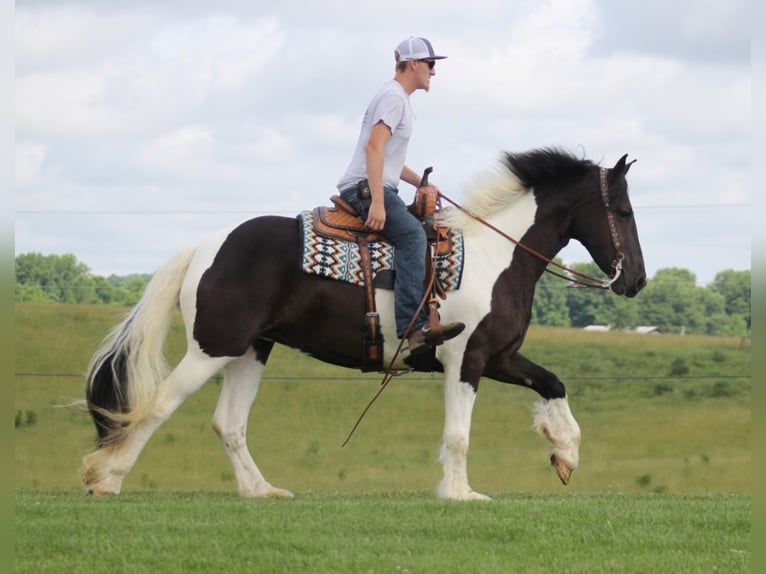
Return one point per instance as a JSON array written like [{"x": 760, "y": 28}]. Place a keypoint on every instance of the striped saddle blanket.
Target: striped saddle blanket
[{"x": 341, "y": 260}]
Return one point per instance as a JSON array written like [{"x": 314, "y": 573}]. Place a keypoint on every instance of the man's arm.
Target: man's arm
[
  {"x": 410, "y": 176},
  {"x": 379, "y": 135},
  {"x": 414, "y": 178}
]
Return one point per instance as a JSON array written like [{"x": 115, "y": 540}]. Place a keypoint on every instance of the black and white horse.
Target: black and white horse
[{"x": 244, "y": 290}]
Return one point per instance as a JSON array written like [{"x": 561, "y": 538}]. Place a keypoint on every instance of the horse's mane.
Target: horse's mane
[
  {"x": 493, "y": 190},
  {"x": 545, "y": 165}
]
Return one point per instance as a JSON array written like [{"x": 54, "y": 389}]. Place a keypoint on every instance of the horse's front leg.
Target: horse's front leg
[
  {"x": 553, "y": 419},
  {"x": 459, "y": 398}
]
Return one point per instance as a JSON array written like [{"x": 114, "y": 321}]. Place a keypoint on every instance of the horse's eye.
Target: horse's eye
[{"x": 624, "y": 211}]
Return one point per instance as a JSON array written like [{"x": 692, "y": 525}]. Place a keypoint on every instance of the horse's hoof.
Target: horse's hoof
[
  {"x": 463, "y": 495},
  {"x": 270, "y": 492},
  {"x": 280, "y": 493},
  {"x": 473, "y": 495},
  {"x": 99, "y": 493},
  {"x": 562, "y": 469}
]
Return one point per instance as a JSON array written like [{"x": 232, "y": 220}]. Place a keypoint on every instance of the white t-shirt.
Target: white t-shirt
[{"x": 391, "y": 105}]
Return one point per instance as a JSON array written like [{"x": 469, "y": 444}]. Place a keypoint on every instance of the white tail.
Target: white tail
[{"x": 124, "y": 373}]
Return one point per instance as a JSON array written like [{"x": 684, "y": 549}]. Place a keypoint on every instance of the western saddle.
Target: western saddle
[{"x": 341, "y": 221}]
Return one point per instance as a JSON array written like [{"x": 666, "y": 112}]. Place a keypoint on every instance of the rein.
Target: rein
[
  {"x": 429, "y": 296},
  {"x": 584, "y": 280}
]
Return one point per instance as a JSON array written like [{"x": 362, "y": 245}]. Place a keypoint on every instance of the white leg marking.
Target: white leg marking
[
  {"x": 240, "y": 386},
  {"x": 105, "y": 469},
  {"x": 459, "y": 399},
  {"x": 555, "y": 421}
]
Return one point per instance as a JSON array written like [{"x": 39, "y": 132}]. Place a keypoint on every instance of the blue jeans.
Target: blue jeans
[{"x": 405, "y": 232}]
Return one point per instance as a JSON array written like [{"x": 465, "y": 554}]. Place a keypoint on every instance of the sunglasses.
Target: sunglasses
[{"x": 431, "y": 63}]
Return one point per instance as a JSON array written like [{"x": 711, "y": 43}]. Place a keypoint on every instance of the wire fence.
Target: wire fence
[
  {"x": 44, "y": 286},
  {"x": 292, "y": 212},
  {"x": 439, "y": 377}
]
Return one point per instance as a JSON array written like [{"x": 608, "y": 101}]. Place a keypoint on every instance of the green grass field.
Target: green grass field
[
  {"x": 663, "y": 485},
  {"x": 403, "y": 532}
]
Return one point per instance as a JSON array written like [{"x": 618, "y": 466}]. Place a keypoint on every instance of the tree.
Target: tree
[
  {"x": 589, "y": 306},
  {"x": 666, "y": 298},
  {"x": 550, "y": 303},
  {"x": 32, "y": 294},
  {"x": 673, "y": 301},
  {"x": 63, "y": 279},
  {"x": 735, "y": 287},
  {"x": 58, "y": 276},
  {"x": 127, "y": 289},
  {"x": 623, "y": 312}
]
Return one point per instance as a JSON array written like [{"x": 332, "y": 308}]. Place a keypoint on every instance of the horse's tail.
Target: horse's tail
[{"x": 124, "y": 373}]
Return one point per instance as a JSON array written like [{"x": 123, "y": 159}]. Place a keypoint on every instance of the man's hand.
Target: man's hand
[{"x": 376, "y": 218}]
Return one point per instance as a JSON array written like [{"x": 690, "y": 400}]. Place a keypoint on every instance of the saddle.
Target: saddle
[{"x": 342, "y": 222}]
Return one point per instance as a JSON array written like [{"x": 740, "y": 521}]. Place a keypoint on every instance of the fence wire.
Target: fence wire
[{"x": 439, "y": 377}]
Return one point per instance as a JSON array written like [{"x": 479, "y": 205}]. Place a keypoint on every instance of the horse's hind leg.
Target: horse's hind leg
[
  {"x": 104, "y": 470},
  {"x": 240, "y": 386}
]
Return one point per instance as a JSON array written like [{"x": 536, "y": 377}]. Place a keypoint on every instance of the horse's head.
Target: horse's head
[{"x": 605, "y": 225}]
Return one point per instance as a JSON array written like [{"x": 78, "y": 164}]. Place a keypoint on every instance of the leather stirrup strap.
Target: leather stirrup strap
[
  {"x": 372, "y": 351},
  {"x": 437, "y": 335},
  {"x": 437, "y": 290}
]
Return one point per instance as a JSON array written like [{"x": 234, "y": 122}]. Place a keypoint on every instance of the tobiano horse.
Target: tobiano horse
[{"x": 243, "y": 290}]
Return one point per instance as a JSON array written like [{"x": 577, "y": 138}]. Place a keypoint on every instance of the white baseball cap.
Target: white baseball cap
[{"x": 415, "y": 49}]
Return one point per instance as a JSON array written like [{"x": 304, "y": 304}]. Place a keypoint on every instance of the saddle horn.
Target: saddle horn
[{"x": 424, "y": 179}]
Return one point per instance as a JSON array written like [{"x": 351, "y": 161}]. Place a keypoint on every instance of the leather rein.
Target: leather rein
[
  {"x": 575, "y": 278},
  {"x": 583, "y": 281}
]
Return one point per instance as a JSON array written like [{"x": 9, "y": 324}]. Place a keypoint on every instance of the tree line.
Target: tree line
[
  {"x": 63, "y": 279},
  {"x": 672, "y": 301}
]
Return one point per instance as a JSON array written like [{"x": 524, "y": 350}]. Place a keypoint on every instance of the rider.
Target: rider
[{"x": 371, "y": 180}]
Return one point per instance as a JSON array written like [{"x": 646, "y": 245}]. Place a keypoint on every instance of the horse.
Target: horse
[{"x": 243, "y": 290}]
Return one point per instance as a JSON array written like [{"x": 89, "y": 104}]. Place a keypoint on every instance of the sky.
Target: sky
[{"x": 143, "y": 126}]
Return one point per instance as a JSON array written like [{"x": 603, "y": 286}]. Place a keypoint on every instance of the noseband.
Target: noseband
[{"x": 575, "y": 278}]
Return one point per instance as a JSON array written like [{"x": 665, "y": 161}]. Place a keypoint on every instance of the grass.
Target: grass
[
  {"x": 63, "y": 531},
  {"x": 663, "y": 485},
  {"x": 640, "y": 433}
]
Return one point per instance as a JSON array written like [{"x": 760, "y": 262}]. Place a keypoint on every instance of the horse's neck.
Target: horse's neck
[
  {"x": 514, "y": 222},
  {"x": 489, "y": 253}
]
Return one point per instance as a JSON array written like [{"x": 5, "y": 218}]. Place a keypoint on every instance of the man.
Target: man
[{"x": 371, "y": 181}]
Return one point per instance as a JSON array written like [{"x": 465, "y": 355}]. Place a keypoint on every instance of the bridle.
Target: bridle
[
  {"x": 619, "y": 256},
  {"x": 575, "y": 278}
]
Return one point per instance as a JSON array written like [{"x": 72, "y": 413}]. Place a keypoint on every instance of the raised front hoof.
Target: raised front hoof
[{"x": 562, "y": 469}]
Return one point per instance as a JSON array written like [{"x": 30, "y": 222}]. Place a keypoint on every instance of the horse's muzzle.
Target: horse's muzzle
[{"x": 629, "y": 288}]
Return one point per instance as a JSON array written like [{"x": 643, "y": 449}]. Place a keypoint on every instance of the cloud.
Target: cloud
[
  {"x": 255, "y": 106},
  {"x": 680, "y": 29},
  {"x": 28, "y": 162},
  {"x": 53, "y": 36}
]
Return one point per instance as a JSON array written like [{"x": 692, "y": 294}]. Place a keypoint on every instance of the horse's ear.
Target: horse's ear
[{"x": 622, "y": 166}]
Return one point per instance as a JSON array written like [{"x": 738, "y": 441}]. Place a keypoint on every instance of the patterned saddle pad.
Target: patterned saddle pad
[{"x": 340, "y": 260}]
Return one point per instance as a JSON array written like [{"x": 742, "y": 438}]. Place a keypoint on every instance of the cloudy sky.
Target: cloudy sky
[{"x": 142, "y": 126}]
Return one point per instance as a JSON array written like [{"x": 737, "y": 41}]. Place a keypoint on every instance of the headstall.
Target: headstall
[{"x": 576, "y": 278}]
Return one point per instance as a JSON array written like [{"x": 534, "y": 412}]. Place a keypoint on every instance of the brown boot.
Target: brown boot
[{"x": 420, "y": 340}]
